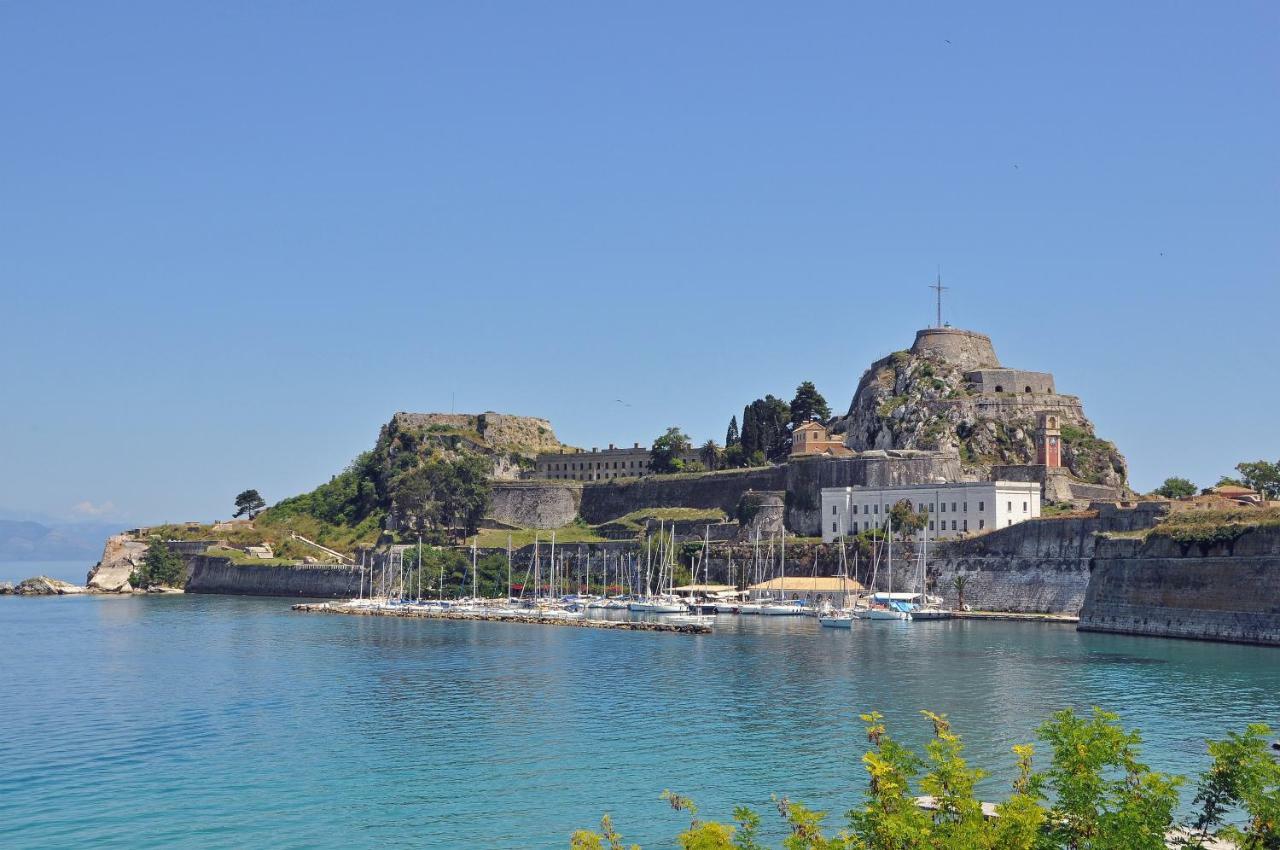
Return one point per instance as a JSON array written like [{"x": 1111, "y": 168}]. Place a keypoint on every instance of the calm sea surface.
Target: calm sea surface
[{"x": 224, "y": 722}]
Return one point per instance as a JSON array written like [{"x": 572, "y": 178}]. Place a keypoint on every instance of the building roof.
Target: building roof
[
  {"x": 820, "y": 584},
  {"x": 1234, "y": 490},
  {"x": 809, "y": 426}
]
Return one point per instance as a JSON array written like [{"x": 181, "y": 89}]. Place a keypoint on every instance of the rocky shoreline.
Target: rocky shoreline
[{"x": 46, "y": 586}]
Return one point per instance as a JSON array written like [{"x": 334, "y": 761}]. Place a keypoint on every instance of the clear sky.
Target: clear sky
[{"x": 236, "y": 237}]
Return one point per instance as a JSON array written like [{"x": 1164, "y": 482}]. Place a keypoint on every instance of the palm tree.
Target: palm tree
[{"x": 960, "y": 583}]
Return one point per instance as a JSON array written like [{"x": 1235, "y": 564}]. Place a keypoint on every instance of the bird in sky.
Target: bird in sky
[{"x": 620, "y": 401}]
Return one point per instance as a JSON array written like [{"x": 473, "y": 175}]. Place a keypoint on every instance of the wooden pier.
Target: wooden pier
[{"x": 529, "y": 619}]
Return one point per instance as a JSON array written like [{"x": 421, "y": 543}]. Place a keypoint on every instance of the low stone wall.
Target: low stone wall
[
  {"x": 220, "y": 575},
  {"x": 535, "y": 504},
  {"x": 1227, "y": 591}
]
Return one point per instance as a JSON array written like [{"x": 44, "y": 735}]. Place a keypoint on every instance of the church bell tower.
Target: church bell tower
[{"x": 1049, "y": 441}]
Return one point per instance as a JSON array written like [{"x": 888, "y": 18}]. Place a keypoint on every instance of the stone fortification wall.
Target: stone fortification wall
[
  {"x": 1010, "y": 381},
  {"x": 1037, "y": 566},
  {"x": 807, "y": 476},
  {"x": 606, "y": 500},
  {"x": 1227, "y": 591},
  {"x": 535, "y": 504},
  {"x": 220, "y": 575},
  {"x": 967, "y": 349}
]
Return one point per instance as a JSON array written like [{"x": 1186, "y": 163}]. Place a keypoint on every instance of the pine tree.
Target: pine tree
[
  {"x": 731, "y": 437},
  {"x": 808, "y": 405}
]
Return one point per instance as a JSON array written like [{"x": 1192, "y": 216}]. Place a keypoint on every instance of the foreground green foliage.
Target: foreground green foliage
[{"x": 1095, "y": 794}]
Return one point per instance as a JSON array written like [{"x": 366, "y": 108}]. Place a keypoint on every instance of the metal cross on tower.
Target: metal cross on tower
[{"x": 938, "y": 287}]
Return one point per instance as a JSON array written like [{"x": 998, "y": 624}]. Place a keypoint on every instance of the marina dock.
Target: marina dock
[{"x": 412, "y": 612}]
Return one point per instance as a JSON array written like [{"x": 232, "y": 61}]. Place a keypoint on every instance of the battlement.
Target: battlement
[{"x": 967, "y": 349}]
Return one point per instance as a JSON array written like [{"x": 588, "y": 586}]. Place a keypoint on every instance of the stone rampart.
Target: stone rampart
[
  {"x": 535, "y": 504},
  {"x": 1227, "y": 591},
  {"x": 606, "y": 500},
  {"x": 807, "y": 476},
  {"x": 1037, "y": 566},
  {"x": 968, "y": 349},
  {"x": 220, "y": 575}
]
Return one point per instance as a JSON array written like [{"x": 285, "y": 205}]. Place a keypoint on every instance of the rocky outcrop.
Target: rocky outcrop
[
  {"x": 510, "y": 442},
  {"x": 120, "y": 557},
  {"x": 45, "y": 586},
  {"x": 949, "y": 393}
]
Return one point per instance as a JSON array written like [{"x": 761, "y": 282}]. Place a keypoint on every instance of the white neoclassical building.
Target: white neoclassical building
[{"x": 966, "y": 507}]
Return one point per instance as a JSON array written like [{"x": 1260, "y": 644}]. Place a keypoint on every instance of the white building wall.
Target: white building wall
[{"x": 954, "y": 509}]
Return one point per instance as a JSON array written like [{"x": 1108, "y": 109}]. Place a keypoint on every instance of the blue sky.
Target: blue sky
[{"x": 236, "y": 237}]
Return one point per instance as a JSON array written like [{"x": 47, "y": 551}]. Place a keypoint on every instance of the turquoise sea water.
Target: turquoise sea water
[{"x": 232, "y": 722}]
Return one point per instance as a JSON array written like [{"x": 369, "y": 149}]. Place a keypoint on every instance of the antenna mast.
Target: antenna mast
[{"x": 939, "y": 288}]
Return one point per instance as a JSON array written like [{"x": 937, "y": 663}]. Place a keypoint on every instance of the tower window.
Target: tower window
[
  {"x": 1028, "y": 389},
  {"x": 999, "y": 388}
]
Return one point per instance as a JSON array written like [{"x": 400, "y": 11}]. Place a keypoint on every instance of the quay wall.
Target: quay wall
[
  {"x": 1227, "y": 591},
  {"x": 209, "y": 574},
  {"x": 1041, "y": 566}
]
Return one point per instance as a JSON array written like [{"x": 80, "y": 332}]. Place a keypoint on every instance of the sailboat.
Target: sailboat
[
  {"x": 783, "y": 608},
  {"x": 888, "y": 612},
  {"x": 840, "y": 618},
  {"x": 930, "y": 608}
]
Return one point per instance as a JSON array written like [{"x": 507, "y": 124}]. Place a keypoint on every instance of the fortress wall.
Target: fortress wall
[
  {"x": 1037, "y": 566},
  {"x": 536, "y": 504},
  {"x": 807, "y": 476},
  {"x": 969, "y": 349},
  {"x": 606, "y": 500},
  {"x": 220, "y": 575},
  {"x": 1227, "y": 591}
]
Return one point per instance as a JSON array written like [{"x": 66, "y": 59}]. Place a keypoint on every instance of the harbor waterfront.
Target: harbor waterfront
[{"x": 206, "y": 721}]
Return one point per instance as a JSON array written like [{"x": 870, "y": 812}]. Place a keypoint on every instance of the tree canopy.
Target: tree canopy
[
  {"x": 808, "y": 405},
  {"x": 1261, "y": 476},
  {"x": 1175, "y": 488},
  {"x": 764, "y": 428},
  {"x": 249, "y": 502},
  {"x": 160, "y": 567},
  {"x": 668, "y": 451}
]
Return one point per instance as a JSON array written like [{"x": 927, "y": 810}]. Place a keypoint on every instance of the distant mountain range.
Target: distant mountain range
[{"x": 26, "y": 540}]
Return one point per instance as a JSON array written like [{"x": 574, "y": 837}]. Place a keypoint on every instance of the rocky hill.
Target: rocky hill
[
  {"x": 511, "y": 442},
  {"x": 949, "y": 392}
]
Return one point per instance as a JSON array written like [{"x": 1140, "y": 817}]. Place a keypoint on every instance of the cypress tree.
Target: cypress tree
[{"x": 731, "y": 436}]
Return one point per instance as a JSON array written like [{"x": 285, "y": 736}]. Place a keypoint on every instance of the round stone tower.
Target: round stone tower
[{"x": 967, "y": 349}]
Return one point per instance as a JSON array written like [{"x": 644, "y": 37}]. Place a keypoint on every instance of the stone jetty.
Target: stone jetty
[{"x": 531, "y": 619}]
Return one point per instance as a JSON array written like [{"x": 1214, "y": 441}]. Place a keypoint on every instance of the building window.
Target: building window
[
  {"x": 877, "y": 510},
  {"x": 833, "y": 528},
  {"x": 966, "y": 507},
  {"x": 1010, "y": 507},
  {"x": 953, "y": 525},
  {"x": 931, "y": 525},
  {"x": 982, "y": 523},
  {"x": 953, "y": 507},
  {"x": 982, "y": 506},
  {"x": 1024, "y": 507},
  {"x": 966, "y": 526},
  {"x": 944, "y": 507},
  {"x": 833, "y": 510}
]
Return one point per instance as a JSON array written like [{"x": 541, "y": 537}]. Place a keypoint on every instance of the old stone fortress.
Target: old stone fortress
[{"x": 844, "y": 475}]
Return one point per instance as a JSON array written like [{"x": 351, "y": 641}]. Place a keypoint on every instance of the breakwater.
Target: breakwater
[
  {"x": 1227, "y": 590},
  {"x": 528, "y": 619}
]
